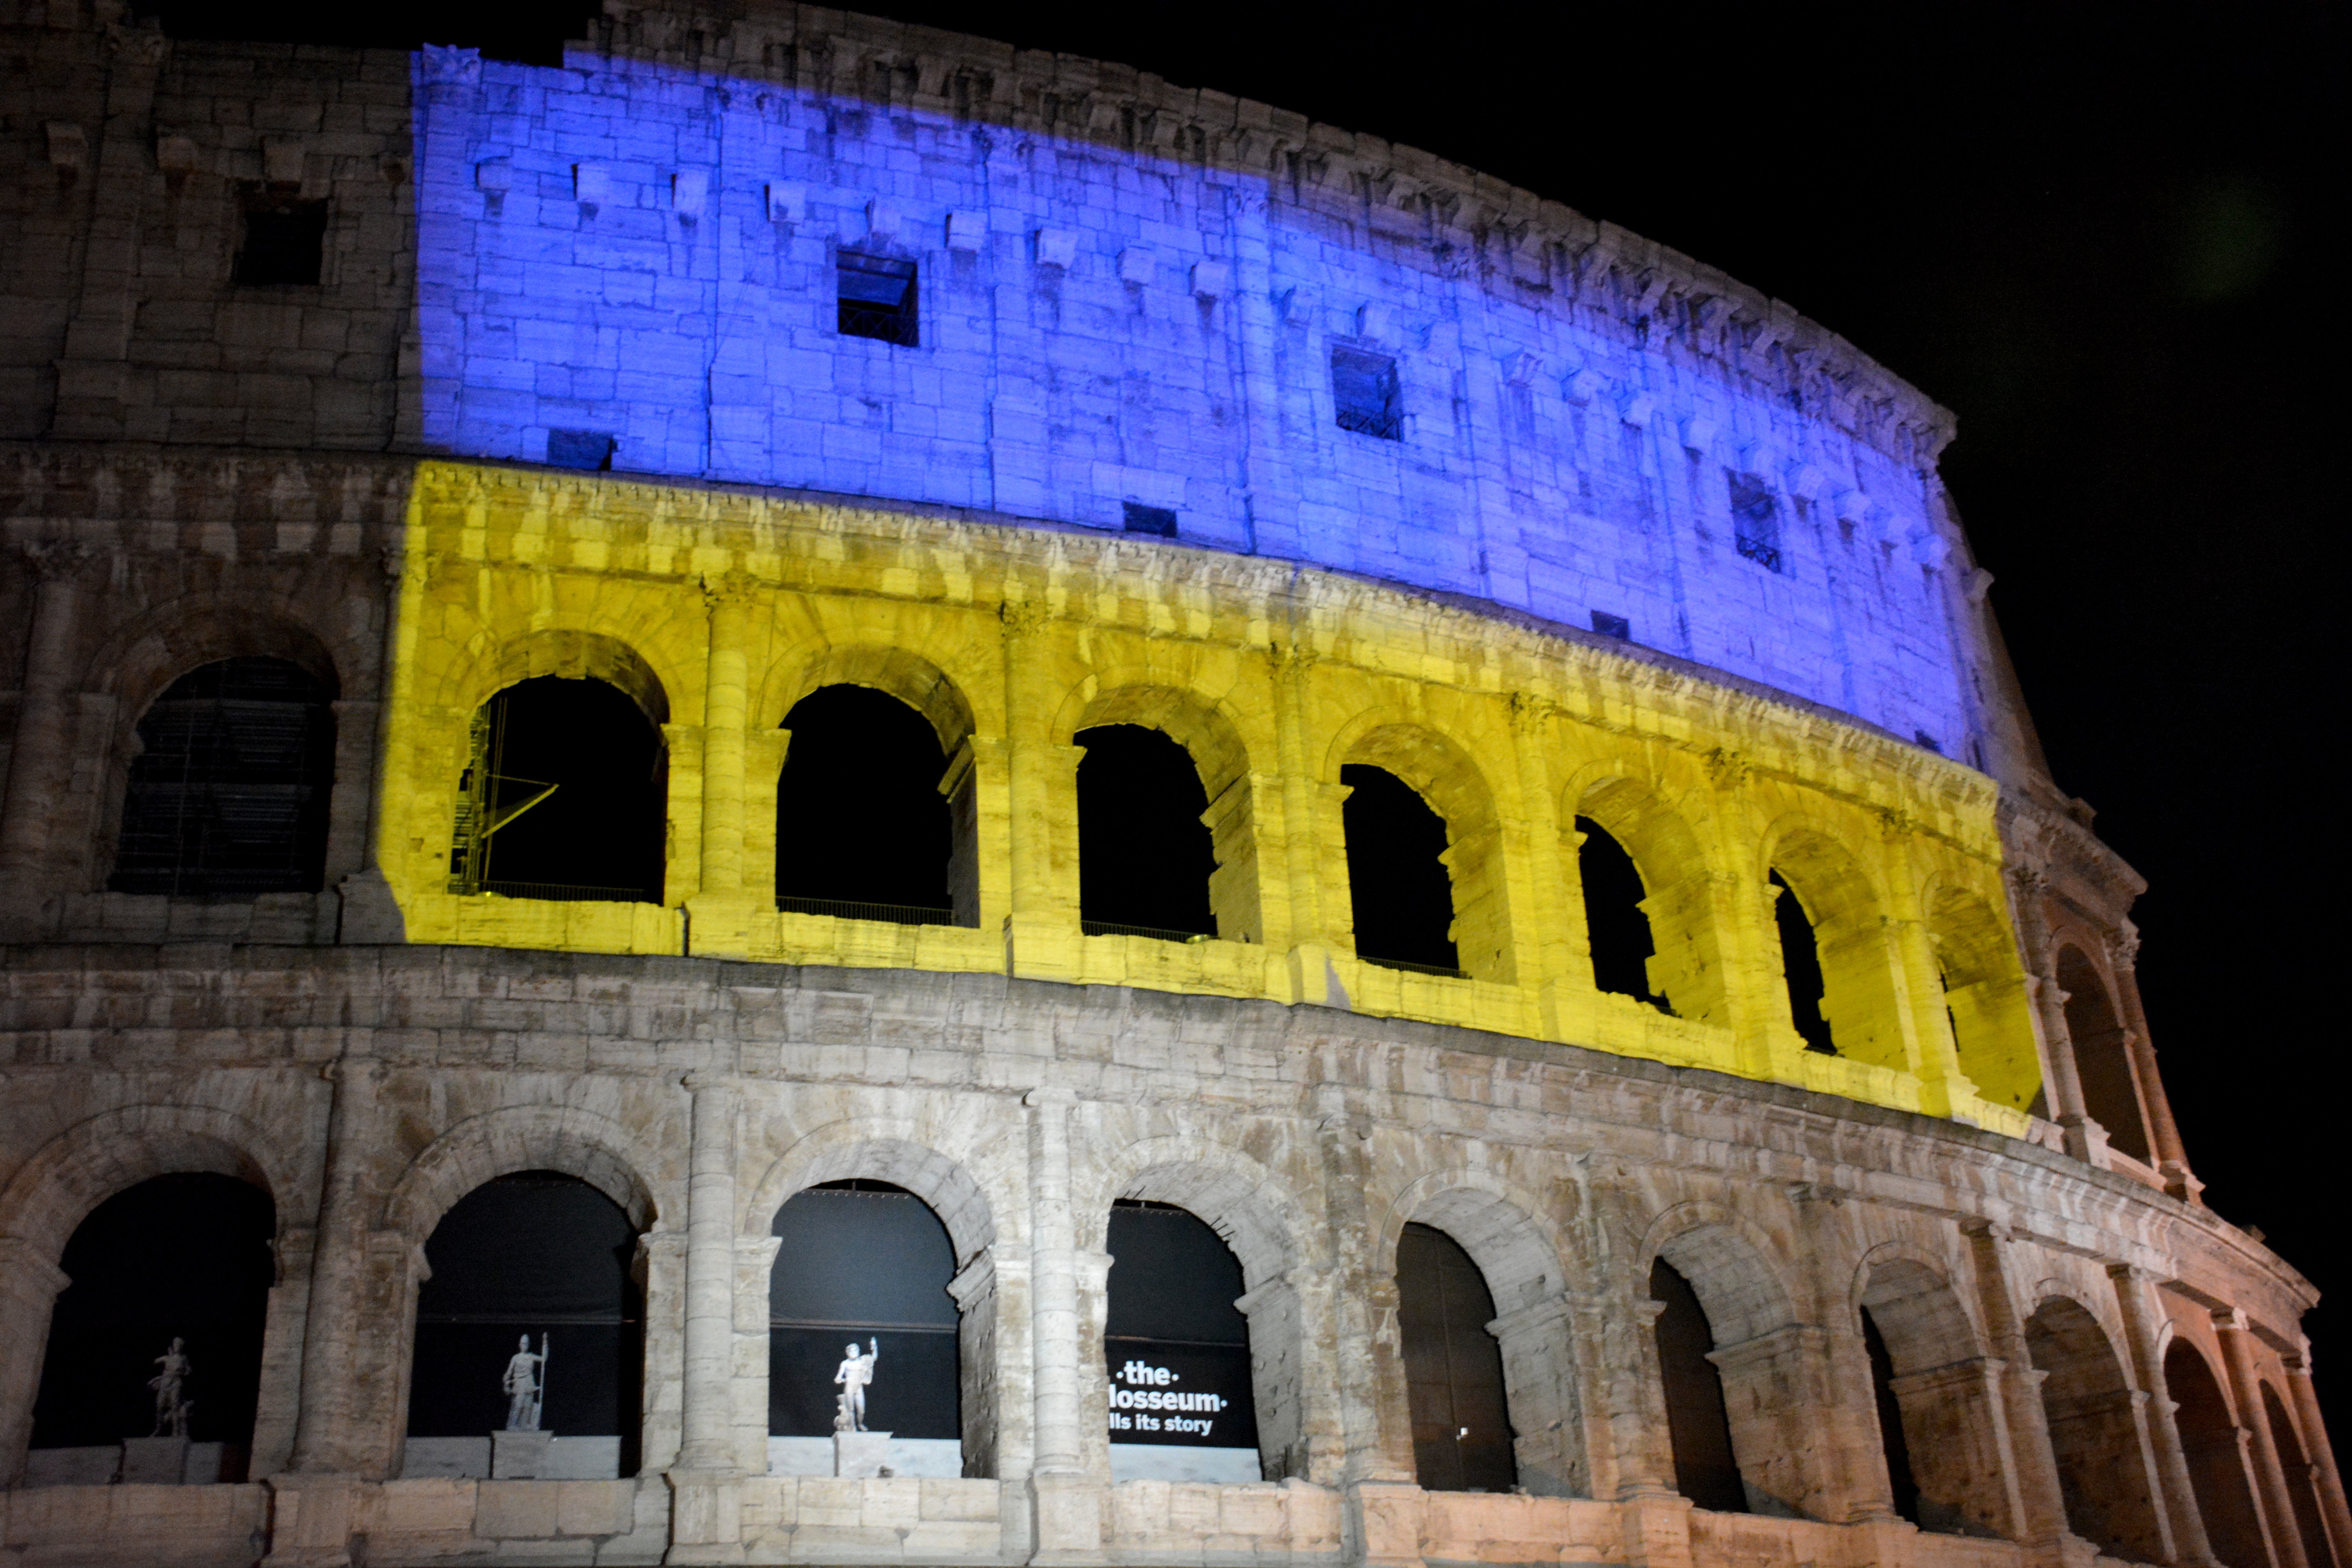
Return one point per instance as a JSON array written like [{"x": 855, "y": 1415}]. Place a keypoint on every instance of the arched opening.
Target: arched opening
[
  {"x": 858, "y": 1296},
  {"x": 2217, "y": 1463},
  {"x": 1462, "y": 1439},
  {"x": 2103, "y": 1474},
  {"x": 564, "y": 796},
  {"x": 153, "y": 1364},
  {"x": 1696, "y": 1418},
  {"x": 2299, "y": 1493},
  {"x": 228, "y": 797},
  {"x": 2102, "y": 1054},
  {"x": 1145, "y": 857},
  {"x": 1678, "y": 903},
  {"x": 1985, "y": 999},
  {"x": 1938, "y": 1419},
  {"x": 861, "y": 828},
  {"x": 1616, "y": 922},
  {"x": 1893, "y": 1446},
  {"x": 1176, "y": 1347},
  {"x": 537, "y": 1264},
  {"x": 1800, "y": 967},
  {"x": 1401, "y": 895}
]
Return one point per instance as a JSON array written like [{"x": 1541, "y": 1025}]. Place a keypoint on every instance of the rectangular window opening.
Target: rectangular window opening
[
  {"x": 590, "y": 449},
  {"x": 1141, "y": 519},
  {"x": 1610, "y": 625},
  {"x": 1755, "y": 520},
  {"x": 877, "y": 298},
  {"x": 1364, "y": 392},
  {"x": 284, "y": 240}
]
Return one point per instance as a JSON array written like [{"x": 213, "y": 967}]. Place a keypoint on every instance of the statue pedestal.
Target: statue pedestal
[
  {"x": 155, "y": 1461},
  {"x": 518, "y": 1456},
  {"x": 860, "y": 1453}
]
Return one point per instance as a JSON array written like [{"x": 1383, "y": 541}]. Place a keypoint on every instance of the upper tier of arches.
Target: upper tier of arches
[
  {"x": 1287, "y": 695},
  {"x": 948, "y": 276}
]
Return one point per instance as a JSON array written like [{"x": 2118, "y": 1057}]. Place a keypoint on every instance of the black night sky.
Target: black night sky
[{"x": 2098, "y": 233}]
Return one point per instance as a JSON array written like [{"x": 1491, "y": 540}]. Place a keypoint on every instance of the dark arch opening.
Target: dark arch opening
[
  {"x": 2299, "y": 1493},
  {"x": 1177, "y": 1349},
  {"x": 1800, "y": 967},
  {"x": 1144, "y": 854},
  {"x": 1891, "y": 1441},
  {"x": 1452, "y": 1367},
  {"x": 861, "y": 830},
  {"x": 564, "y": 796},
  {"x": 2216, "y": 1468},
  {"x": 2087, "y": 1406},
  {"x": 863, "y": 1264},
  {"x": 228, "y": 797},
  {"x": 1696, "y": 1420},
  {"x": 1401, "y": 894},
  {"x": 2102, "y": 1054},
  {"x": 180, "y": 1258},
  {"x": 1615, "y": 921},
  {"x": 542, "y": 1256}
]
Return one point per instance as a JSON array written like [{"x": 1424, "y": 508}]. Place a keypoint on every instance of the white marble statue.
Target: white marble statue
[
  {"x": 525, "y": 1384},
  {"x": 854, "y": 1374},
  {"x": 171, "y": 1410}
]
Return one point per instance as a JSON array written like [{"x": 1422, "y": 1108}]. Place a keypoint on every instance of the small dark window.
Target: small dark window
[
  {"x": 1610, "y": 625},
  {"x": 1755, "y": 521},
  {"x": 283, "y": 242},
  {"x": 877, "y": 298},
  {"x": 581, "y": 450},
  {"x": 1364, "y": 390},
  {"x": 1928, "y": 740},
  {"x": 1159, "y": 519}
]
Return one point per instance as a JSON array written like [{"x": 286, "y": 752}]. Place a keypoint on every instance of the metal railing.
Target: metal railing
[
  {"x": 851, "y": 910},
  {"x": 1156, "y": 933},
  {"x": 1411, "y": 968},
  {"x": 571, "y": 893}
]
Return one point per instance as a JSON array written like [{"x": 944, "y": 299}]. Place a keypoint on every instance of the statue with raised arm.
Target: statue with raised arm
[
  {"x": 525, "y": 1384},
  {"x": 856, "y": 1372},
  {"x": 171, "y": 1410}
]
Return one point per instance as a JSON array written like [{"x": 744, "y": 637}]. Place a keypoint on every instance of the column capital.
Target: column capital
[{"x": 1046, "y": 1094}]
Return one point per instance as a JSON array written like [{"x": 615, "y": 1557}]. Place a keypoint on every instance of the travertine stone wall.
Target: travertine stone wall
[{"x": 367, "y": 1090}]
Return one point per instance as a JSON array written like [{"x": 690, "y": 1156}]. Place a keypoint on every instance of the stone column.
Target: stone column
[
  {"x": 324, "y": 1442},
  {"x": 707, "y": 1521},
  {"x": 2042, "y": 1503},
  {"x": 30, "y": 1282},
  {"x": 1068, "y": 1504},
  {"x": 2277, "y": 1507},
  {"x": 41, "y": 757},
  {"x": 755, "y": 1266},
  {"x": 2324, "y": 1477},
  {"x": 2133, "y": 1288},
  {"x": 2062, "y": 1089},
  {"x": 1375, "y": 1413},
  {"x": 2163, "y": 1133},
  {"x": 1042, "y": 932},
  {"x": 1538, "y": 1349},
  {"x": 92, "y": 371},
  {"x": 1315, "y": 853},
  {"x": 280, "y": 1406},
  {"x": 725, "y": 702}
]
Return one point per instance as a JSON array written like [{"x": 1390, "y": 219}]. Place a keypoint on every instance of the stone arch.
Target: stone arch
[
  {"x": 597, "y": 1150},
  {"x": 1761, "y": 1350},
  {"x": 2091, "y": 1410},
  {"x": 573, "y": 655},
  {"x": 898, "y": 671},
  {"x": 55, "y": 1190},
  {"x": 1946, "y": 1392},
  {"x": 1984, "y": 994},
  {"x": 1445, "y": 772},
  {"x": 1684, "y": 923},
  {"x": 1847, "y": 911},
  {"x": 2295, "y": 1462},
  {"x": 1262, "y": 1220},
  {"x": 889, "y": 1152},
  {"x": 2111, "y": 1095},
  {"x": 1210, "y": 735},
  {"x": 1493, "y": 1223},
  {"x": 2210, "y": 1443}
]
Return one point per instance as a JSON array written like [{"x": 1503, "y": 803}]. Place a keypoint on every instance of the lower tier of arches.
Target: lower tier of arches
[{"x": 1920, "y": 1341}]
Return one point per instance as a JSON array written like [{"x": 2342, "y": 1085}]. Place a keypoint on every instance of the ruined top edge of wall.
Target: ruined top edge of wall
[{"x": 1541, "y": 246}]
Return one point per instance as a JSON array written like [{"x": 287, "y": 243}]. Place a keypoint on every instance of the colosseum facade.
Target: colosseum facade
[{"x": 1727, "y": 1135}]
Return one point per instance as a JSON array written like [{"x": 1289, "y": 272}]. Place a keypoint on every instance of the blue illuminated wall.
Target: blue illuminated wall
[{"x": 627, "y": 248}]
